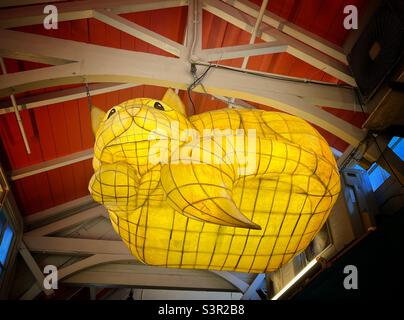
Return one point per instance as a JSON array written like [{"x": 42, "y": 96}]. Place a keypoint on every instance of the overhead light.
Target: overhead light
[{"x": 304, "y": 271}]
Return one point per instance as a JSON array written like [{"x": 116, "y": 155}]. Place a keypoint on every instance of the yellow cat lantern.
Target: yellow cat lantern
[{"x": 239, "y": 190}]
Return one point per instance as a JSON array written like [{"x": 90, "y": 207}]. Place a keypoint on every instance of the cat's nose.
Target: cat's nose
[{"x": 133, "y": 110}]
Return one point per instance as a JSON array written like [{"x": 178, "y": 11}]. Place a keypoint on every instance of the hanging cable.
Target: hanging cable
[
  {"x": 272, "y": 76},
  {"x": 197, "y": 81},
  {"x": 88, "y": 97}
]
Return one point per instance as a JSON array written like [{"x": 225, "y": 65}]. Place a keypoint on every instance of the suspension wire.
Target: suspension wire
[
  {"x": 197, "y": 81},
  {"x": 273, "y": 76},
  {"x": 88, "y": 97}
]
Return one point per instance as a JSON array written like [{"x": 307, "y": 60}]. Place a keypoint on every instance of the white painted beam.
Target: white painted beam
[
  {"x": 92, "y": 261},
  {"x": 291, "y": 29},
  {"x": 138, "y": 31},
  {"x": 52, "y": 164},
  {"x": 189, "y": 32},
  {"x": 5, "y": 53},
  {"x": 15, "y": 3},
  {"x": 251, "y": 292},
  {"x": 101, "y": 64},
  {"x": 68, "y": 222},
  {"x": 317, "y": 59},
  {"x": 72, "y": 50},
  {"x": 20, "y": 85},
  {"x": 144, "y": 276},
  {"x": 25, "y": 16},
  {"x": 31, "y": 293},
  {"x": 61, "y": 245},
  {"x": 295, "y": 47},
  {"x": 255, "y": 30},
  {"x": 235, "y": 281},
  {"x": 62, "y": 96},
  {"x": 43, "y": 217},
  {"x": 34, "y": 268},
  {"x": 236, "y": 17},
  {"x": 81, "y": 265},
  {"x": 193, "y": 31},
  {"x": 246, "y": 50},
  {"x": 199, "y": 24}
]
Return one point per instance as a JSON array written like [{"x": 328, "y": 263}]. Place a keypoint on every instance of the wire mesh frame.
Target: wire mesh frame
[{"x": 159, "y": 235}]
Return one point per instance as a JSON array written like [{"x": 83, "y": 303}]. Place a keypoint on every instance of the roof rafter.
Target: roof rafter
[
  {"x": 251, "y": 292},
  {"x": 74, "y": 246},
  {"x": 193, "y": 29},
  {"x": 138, "y": 31},
  {"x": 68, "y": 222},
  {"x": 245, "y": 50},
  {"x": 296, "y": 48},
  {"x": 65, "y": 209},
  {"x": 62, "y": 96},
  {"x": 26, "y": 16},
  {"x": 85, "y": 263},
  {"x": 35, "y": 270},
  {"x": 52, "y": 164},
  {"x": 291, "y": 29},
  {"x": 102, "y": 64},
  {"x": 13, "y": 3}
]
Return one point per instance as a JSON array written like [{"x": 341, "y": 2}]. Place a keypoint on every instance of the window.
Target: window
[
  {"x": 6, "y": 238},
  {"x": 397, "y": 145},
  {"x": 377, "y": 175}
]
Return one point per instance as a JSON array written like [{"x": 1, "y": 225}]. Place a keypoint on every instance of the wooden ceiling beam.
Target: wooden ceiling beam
[
  {"x": 15, "y": 3},
  {"x": 135, "y": 30},
  {"x": 291, "y": 29},
  {"x": 71, "y": 221},
  {"x": 102, "y": 64},
  {"x": 52, "y": 164},
  {"x": 74, "y": 246},
  {"x": 296, "y": 46},
  {"x": 245, "y": 50},
  {"x": 26, "y": 16},
  {"x": 59, "y": 96}
]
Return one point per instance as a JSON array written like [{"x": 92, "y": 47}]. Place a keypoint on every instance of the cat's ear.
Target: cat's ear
[
  {"x": 97, "y": 115},
  {"x": 174, "y": 101}
]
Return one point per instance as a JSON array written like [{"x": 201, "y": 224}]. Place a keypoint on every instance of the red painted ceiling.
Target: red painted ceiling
[{"x": 60, "y": 129}]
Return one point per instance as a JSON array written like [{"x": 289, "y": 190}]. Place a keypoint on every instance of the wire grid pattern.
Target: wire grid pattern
[{"x": 290, "y": 194}]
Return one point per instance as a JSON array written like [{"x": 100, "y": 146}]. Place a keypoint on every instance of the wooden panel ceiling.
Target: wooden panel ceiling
[{"x": 61, "y": 129}]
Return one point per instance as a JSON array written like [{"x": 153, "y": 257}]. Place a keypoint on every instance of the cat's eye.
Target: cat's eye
[
  {"x": 159, "y": 106},
  {"x": 111, "y": 113}
]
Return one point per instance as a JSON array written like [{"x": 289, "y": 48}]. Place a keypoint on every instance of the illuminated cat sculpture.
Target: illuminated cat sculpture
[{"x": 180, "y": 197}]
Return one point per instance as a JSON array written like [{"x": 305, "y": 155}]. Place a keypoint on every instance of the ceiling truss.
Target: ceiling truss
[
  {"x": 75, "y": 62},
  {"x": 126, "y": 66},
  {"x": 99, "y": 252}
]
